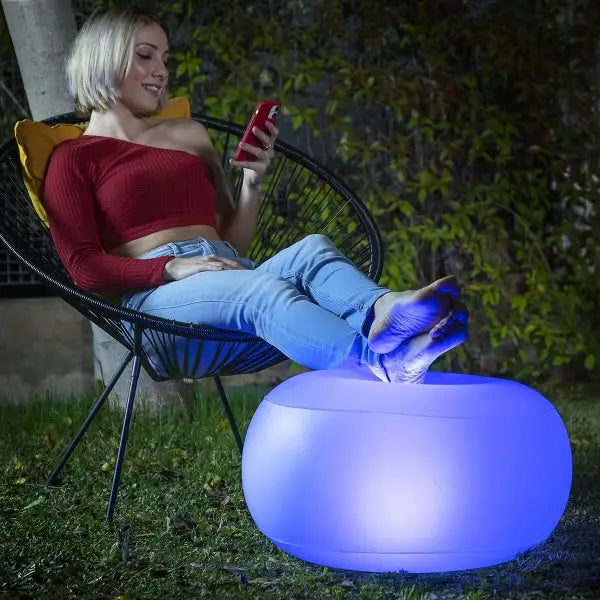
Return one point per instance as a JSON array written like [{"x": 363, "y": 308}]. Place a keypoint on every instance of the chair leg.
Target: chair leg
[
  {"x": 234, "y": 429},
  {"x": 135, "y": 373},
  {"x": 88, "y": 420}
]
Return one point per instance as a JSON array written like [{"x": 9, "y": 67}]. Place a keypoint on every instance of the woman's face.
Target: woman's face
[{"x": 146, "y": 81}]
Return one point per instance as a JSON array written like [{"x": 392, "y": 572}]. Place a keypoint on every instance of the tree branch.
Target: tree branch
[{"x": 23, "y": 110}]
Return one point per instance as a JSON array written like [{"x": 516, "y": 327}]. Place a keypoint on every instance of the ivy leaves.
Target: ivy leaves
[{"x": 466, "y": 132}]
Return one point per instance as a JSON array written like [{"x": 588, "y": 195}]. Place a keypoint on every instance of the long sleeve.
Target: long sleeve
[{"x": 70, "y": 205}]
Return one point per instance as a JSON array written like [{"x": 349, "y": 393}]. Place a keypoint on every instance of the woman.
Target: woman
[{"x": 141, "y": 207}]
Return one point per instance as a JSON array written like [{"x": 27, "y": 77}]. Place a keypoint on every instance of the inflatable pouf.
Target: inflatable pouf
[{"x": 460, "y": 472}]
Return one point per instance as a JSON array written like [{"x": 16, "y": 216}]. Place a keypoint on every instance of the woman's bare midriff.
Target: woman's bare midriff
[{"x": 136, "y": 248}]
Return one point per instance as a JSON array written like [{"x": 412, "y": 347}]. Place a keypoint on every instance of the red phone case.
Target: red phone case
[{"x": 266, "y": 110}]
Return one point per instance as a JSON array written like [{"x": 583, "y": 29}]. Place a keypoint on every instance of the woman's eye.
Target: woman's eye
[{"x": 167, "y": 61}]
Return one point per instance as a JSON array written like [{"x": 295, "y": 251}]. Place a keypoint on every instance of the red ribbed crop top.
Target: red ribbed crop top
[{"x": 100, "y": 192}]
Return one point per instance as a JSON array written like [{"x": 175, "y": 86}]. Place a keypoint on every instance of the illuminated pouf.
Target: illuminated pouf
[{"x": 461, "y": 472}]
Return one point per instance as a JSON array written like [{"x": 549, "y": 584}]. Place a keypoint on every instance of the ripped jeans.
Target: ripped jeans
[{"x": 309, "y": 300}]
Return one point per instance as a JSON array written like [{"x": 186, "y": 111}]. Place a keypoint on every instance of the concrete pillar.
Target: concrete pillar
[
  {"x": 42, "y": 32},
  {"x": 108, "y": 355}
]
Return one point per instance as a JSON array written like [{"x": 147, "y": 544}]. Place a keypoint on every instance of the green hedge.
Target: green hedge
[{"x": 470, "y": 129}]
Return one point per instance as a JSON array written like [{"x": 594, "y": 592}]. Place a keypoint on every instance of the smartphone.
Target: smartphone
[{"x": 266, "y": 110}]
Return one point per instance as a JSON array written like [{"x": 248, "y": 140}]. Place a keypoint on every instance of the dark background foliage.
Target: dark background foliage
[{"x": 470, "y": 129}]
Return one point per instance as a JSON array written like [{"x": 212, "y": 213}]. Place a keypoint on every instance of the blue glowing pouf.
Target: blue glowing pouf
[{"x": 461, "y": 472}]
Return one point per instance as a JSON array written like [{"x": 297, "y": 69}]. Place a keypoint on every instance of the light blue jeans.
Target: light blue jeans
[{"x": 309, "y": 300}]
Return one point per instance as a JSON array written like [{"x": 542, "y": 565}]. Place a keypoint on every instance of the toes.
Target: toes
[
  {"x": 441, "y": 326},
  {"x": 403, "y": 315},
  {"x": 461, "y": 313},
  {"x": 447, "y": 285},
  {"x": 455, "y": 321},
  {"x": 409, "y": 363},
  {"x": 453, "y": 336}
]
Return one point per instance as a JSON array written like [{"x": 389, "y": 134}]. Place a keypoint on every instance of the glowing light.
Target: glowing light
[{"x": 460, "y": 472}]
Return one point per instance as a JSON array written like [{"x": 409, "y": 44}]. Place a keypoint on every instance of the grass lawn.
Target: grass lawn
[{"x": 181, "y": 529}]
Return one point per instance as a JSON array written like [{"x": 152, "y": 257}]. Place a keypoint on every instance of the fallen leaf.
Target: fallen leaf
[
  {"x": 238, "y": 571},
  {"x": 125, "y": 553},
  {"x": 50, "y": 436},
  {"x": 39, "y": 500},
  {"x": 223, "y": 425},
  {"x": 182, "y": 526},
  {"x": 234, "y": 570}
]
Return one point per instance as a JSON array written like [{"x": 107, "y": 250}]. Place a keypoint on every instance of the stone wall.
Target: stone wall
[{"x": 47, "y": 346}]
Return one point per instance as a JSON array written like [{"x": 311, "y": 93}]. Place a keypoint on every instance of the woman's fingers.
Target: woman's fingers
[
  {"x": 219, "y": 263},
  {"x": 260, "y": 163},
  {"x": 267, "y": 140},
  {"x": 263, "y": 155},
  {"x": 261, "y": 135},
  {"x": 255, "y": 165},
  {"x": 232, "y": 263},
  {"x": 180, "y": 268},
  {"x": 252, "y": 149},
  {"x": 274, "y": 131}
]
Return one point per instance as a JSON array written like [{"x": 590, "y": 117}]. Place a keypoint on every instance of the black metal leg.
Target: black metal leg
[
  {"x": 135, "y": 373},
  {"x": 234, "y": 429},
  {"x": 88, "y": 420}
]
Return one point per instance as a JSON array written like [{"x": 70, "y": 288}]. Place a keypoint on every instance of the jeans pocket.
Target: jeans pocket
[
  {"x": 231, "y": 248},
  {"x": 135, "y": 300}
]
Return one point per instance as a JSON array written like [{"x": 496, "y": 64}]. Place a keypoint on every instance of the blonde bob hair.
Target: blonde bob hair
[{"x": 101, "y": 55}]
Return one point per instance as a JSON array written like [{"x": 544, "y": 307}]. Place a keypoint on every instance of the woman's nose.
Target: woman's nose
[{"x": 160, "y": 70}]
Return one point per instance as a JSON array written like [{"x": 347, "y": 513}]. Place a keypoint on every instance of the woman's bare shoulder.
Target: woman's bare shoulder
[
  {"x": 178, "y": 127},
  {"x": 178, "y": 134},
  {"x": 185, "y": 133}
]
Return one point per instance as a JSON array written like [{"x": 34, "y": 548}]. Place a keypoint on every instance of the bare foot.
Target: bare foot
[
  {"x": 402, "y": 315},
  {"x": 410, "y": 361}
]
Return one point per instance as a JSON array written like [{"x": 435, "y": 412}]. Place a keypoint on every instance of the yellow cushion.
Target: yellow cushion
[{"x": 37, "y": 141}]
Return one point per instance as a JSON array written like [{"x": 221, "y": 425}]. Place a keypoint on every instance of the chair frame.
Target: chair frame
[{"x": 108, "y": 316}]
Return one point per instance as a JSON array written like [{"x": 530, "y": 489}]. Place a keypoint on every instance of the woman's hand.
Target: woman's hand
[
  {"x": 255, "y": 170},
  {"x": 180, "y": 268}
]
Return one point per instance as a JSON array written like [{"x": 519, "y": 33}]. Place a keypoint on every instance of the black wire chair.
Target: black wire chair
[{"x": 300, "y": 197}]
